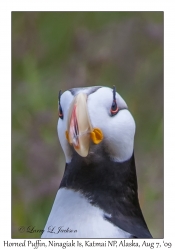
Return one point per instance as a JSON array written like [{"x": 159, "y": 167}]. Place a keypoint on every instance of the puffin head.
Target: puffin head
[{"x": 92, "y": 118}]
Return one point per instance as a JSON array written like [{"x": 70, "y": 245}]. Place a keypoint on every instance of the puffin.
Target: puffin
[{"x": 98, "y": 194}]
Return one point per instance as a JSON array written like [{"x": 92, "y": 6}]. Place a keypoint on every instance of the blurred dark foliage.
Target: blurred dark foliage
[{"x": 61, "y": 50}]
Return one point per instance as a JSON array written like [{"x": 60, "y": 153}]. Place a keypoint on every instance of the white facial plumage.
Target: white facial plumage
[{"x": 118, "y": 130}]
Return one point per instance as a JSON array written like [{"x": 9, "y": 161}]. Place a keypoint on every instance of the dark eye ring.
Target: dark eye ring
[
  {"x": 114, "y": 107},
  {"x": 60, "y": 108}
]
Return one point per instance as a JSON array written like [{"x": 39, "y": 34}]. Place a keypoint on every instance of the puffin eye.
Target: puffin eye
[
  {"x": 114, "y": 107},
  {"x": 60, "y": 112},
  {"x": 60, "y": 108}
]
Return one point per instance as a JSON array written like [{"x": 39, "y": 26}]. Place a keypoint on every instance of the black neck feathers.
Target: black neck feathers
[
  {"x": 112, "y": 186},
  {"x": 101, "y": 175}
]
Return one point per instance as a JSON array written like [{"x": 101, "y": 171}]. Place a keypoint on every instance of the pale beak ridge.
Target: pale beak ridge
[
  {"x": 79, "y": 126},
  {"x": 79, "y": 129}
]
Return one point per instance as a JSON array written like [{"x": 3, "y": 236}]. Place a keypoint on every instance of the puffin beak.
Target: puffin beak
[{"x": 79, "y": 128}]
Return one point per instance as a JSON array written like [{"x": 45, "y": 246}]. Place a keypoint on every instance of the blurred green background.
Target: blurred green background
[{"x": 61, "y": 50}]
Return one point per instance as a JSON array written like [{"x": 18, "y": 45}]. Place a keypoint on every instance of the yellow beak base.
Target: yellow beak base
[{"x": 96, "y": 135}]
